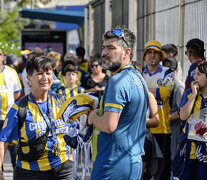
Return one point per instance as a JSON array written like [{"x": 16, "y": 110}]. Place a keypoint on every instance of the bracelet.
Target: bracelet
[{"x": 0, "y": 170}]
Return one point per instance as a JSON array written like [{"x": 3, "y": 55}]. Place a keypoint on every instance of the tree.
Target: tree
[
  {"x": 31, "y": 3},
  {"x": 10, "y": 25}
]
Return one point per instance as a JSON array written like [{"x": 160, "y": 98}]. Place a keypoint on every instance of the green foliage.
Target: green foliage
[
  {"x": 10, "y": 25},
  {"x": 31, "y": 3}
]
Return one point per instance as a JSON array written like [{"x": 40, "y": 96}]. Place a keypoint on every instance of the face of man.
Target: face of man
[
  {"x": 152, "y": 57},
  {"x": 112, "y": 55},
  {"x": 188, "y": 54}
]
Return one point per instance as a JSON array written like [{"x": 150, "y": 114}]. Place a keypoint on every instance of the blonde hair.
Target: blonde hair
[{"x": 55, "y": 55}]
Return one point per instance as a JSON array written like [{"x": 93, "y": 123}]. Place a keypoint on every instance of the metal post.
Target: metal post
[
  {"x": 153, "y": 19},
  {"x": 133, "y": 19},
  {"x": 107, "y": 15},
  {"x": 86, "y": 32},
  {"x": 181, "y": 32},
  {"x": 90, "y": 29}
]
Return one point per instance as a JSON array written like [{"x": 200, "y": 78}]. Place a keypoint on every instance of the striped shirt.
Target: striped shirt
[
  {"x": 67, "y": 93},
  {"x": 9, "y": 84},
  {"x": 162, "y": 81},
  {"x": 33, "y": 127}
]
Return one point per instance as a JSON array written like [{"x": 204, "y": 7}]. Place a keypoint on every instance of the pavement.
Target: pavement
[{"x": 8, "y": 169}]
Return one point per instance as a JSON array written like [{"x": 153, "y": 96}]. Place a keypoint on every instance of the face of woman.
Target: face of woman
[
  {"x": 95, "y": 67},
  {"x": 200, "y": 78},
  {"x": 41, "y": 81}
]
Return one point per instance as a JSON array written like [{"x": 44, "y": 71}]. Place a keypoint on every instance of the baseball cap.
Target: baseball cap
[
  {"x": 153, "y": 45},
  {"x": 11, "y": 58},
  {"x": 171, "y": 63}
]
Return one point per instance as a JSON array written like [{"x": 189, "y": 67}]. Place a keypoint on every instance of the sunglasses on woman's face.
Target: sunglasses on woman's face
[{"x": 95, "y": 65}]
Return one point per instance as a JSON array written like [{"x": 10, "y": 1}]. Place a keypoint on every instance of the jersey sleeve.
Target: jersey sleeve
[
  {"x": 17, "y": 84},
  {"x": 184, "y": 99},
  {"x": 115, "y": 96},
  {"x": 9, "y": 132}
]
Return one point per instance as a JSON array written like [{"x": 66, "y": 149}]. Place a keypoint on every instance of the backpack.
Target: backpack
[
  {"x": 35, "y": 148},
  {"x": 23, "y": 107}
]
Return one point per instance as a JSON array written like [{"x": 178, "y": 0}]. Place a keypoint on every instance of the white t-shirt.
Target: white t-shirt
[{"x": 27, "y": 88}]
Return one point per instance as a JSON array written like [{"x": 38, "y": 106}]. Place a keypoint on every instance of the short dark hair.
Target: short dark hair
[
  {"x": 170, "y": 48},
  {"x": 69, "y": 68},
  {"x": 80, "y": 51},
  {"x": 196, "y": 47},
  {"x": 128, "y": 36},
  {"x": 202, "y": 67},
  {"x": 38, "y": 62}
]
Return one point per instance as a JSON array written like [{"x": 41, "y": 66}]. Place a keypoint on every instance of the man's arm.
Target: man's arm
[
  {"x": 106, "y": 123},
  {"x": 3, "y": 148}
]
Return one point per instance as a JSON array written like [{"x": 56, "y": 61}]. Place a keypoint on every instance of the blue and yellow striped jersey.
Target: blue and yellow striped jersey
[
  {"x": 33, "y": 127},
  {"x": 67, "y": 93},
  {"x": 162, "y": 81},
  {"x": 9, "y": 84},
  {"x": 199, "y": 105}
]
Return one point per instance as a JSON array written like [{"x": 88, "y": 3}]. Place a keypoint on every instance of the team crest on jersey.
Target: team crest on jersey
[
  {"x": 136, "y": 82},
  {"x": 164, "y": 81}
]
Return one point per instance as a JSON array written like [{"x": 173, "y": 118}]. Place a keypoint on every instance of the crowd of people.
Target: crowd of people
[{"x": 149, "y": 124}]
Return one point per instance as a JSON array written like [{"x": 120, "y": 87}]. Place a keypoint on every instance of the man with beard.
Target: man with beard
[
  {"x": 121, "y": 117},
  {"x": 160, "y": 81}
]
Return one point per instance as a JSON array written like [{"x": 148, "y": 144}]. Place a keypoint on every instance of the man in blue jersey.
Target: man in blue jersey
[
  {"x": 160, "y": 81},
  {"x": 122, "y": 119},
  {"x": 10, "y": 91},
  {"x": 195, "y": 53}
]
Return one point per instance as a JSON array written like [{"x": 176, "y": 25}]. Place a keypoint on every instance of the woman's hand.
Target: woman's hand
[{"x": 195, "y": 88}]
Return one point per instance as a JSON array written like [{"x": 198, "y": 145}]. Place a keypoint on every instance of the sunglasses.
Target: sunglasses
[
  {"x": 95, "y": 65},
  {"x": 119, "y": 34}
]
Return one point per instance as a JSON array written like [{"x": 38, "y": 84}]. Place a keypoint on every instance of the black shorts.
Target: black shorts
[
  {"x": 62, "y": 172},
  {"x": 147, "y": 151}
]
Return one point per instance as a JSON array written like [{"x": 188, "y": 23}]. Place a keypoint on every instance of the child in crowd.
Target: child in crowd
[
  {"x": 190, "y": 161},
  {"x": 71, "y": 88}
]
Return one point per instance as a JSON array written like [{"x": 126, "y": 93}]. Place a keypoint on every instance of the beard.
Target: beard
[{"x": 112, "y": 66}]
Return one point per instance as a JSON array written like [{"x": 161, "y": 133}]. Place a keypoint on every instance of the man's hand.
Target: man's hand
[{"x": 91, "y": 115}]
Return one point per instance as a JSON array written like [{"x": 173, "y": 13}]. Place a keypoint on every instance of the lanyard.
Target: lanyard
[{"x": 49, "y": 120}]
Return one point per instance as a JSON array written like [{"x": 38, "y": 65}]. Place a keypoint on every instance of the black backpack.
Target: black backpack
[{"x": 35, "y": 148}]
